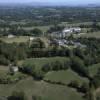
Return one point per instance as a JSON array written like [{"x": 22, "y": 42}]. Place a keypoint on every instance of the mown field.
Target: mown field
[
  {"x": 89, "y": 35},
  {"x": 42, "y": 28},
  {"x": 22, "y": 39},
  {"x": 75, "y": 24},
  {"x": 39, "y": 62},
  {"x": 94, "y": 69},
  {"x": 39, "y": 88},
  {"x": 16, "y": 39},
  {"x": 45, "y": 90},
  {"x": 48, "y": 90},
  {"x": 65, "y": 77}
]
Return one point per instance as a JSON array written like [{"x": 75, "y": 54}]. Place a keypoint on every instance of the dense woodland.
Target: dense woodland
[{"x": 29, "y": 16}]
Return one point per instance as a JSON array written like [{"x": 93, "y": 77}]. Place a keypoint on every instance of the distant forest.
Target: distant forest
[{"x": 47, "y": 15}]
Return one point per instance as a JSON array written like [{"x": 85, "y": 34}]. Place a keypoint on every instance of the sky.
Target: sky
[{"x": 54, "y": 1}]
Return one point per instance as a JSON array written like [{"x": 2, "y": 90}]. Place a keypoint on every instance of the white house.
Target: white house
[
  {"x": 11, "y": 36},
  {"x": 31, "y": 38},
  {"x": 67, "y": 32},
  {"x": 77, "y": 29},
  {"x": 61, "y": 43},
  {"x": 14, "y": 69}
]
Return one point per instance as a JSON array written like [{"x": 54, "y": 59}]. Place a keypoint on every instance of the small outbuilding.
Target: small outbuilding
[
  {"x": 13, "y": 69},
  {"x": 31, "y": 38},
  {"x": 11, "y": 36}
]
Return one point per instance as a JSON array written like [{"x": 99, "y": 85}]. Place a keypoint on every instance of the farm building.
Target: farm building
[
  {"x": 66, "y": 32},
  {"x": 14, "y": 69},
  {"x": 69, "y": 31},
  {"x": 11, "y": 36},
  {"x": 31, "y": 38}
]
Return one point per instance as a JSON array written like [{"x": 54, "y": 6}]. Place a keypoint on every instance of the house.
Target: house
[
  {"x": 69, "y": 31},
  {"x": 60, "y": 42},
  {"x": 31, "y": 38},
  {"x": 77, "y": 29},
  {"x": 66, "y": 30},
  {"x": 11, "y": 36},
  {"x": 13, "y": 69}
]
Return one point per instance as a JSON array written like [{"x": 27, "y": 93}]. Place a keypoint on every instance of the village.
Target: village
[{"x": 60, "y": 38}]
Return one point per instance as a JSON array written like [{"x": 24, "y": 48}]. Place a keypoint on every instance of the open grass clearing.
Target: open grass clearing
[
  {"x": 65, "y": 77},
  {"x": 94, "y": 69},
  {"x": 39, "y": 88},
  {"x": 4, "y": 68},
  {"x": 42, "y": 28},
  {"x": 39, "y": 62},
  {"x": 17, "y": 39},
  {"x": 90, "y": 35}
]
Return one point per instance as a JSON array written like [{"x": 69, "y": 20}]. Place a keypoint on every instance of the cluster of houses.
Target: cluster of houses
[
  {"x": 66, "y": 43},
  {"x": 67, "y": 32}
]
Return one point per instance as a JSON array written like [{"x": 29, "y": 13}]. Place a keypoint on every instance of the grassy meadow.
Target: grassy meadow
[
  {"x": 90, "y": 35},
  {"x": 40, "y": 88},
  {"x": 17, "y": 39},
  {"x": 65, "y": 77},
  {"x": 39, "y": 62},
  {"x": 94, "y": 69}
]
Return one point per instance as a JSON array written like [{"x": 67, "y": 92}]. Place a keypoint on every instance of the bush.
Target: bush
[
  {"x": 74, "y": 84},
  {"x": 38, "y": 75},
  {"x": 84, "y": 87},
  {"x": 6, "y": 78},
  {"x": 36, "y": 32},
  {"x": 78, "y": 65},
  {"x": 56, "y": 65},
  {"x": 28, "y": 68},
  {"x": 36, "y": 97},
  {"x": 3, "y": 60}
]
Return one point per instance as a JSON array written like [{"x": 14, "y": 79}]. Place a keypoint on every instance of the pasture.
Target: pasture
[
  {"x": 40, "y": 88},
  {"x": 39, "y": 62},
  {"x": 65, "y": 77},
  {"x": 16, "y": 39},
  {"x": 42, "y": 28},
  {"x": 90, "y": 35},
  {"x": 75, "y": 23},
  {"x": 94, "y": 69}
]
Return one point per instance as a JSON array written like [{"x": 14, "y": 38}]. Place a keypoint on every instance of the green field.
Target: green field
[
  {"x": 75, "y": 24},
  {"x": 39, "y": 62},
  {"x": 89, "y": 35},
  {"x": 3, "y": 71},
  {"x": 43, "y": 89},
  {"x": 39, "y": 88},
  {"x": 3, "y": 68},
  {"x": 65, "y": 77},
  {"x": 94, "y": 69},
  {"x": 17, "y": 39},
  {"x": 42, "y": 28}
]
